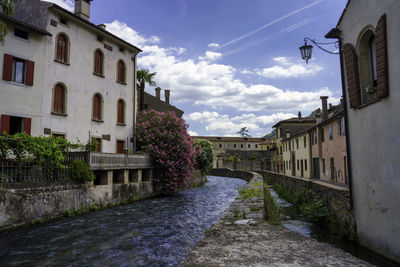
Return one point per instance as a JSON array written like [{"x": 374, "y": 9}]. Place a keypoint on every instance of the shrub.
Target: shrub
[
  {"x": 165, "y": 138},
  {"x": 81, "y": 171},
  {"x": 204, "y": 155}
]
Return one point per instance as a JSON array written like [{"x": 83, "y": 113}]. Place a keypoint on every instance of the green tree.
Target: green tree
[
  {"x": 7, "y": 8},
  {"x": 244, "y": 132},
  {"x": 144, "y": 76},
  {"x": 204, "y": 155}
]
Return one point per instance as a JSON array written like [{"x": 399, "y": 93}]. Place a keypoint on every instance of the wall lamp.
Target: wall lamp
[{"x": 306, "y": 49}]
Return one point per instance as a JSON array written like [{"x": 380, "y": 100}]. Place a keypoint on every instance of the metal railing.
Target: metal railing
[{"x": 14, "y": 172}]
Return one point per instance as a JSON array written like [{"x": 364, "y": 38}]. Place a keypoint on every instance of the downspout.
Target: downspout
[
  {"x": 134, "y": 101},
  {"x": 335, "y": 33}
]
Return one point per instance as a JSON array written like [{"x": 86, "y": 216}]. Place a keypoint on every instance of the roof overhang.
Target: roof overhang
[{"x": 26, "y": 25}]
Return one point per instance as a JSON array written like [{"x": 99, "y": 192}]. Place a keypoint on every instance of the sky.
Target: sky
[{"x": 230, "y": 63}]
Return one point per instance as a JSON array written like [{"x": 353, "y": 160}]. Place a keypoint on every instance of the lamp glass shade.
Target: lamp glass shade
[{"x": 306, "y": 52}]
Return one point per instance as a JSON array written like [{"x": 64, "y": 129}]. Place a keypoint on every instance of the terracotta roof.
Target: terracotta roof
[
  {"x": 234, "y": 139},
  {"x": 25, "y": 24},
  {"x": 296, "y": 120}
]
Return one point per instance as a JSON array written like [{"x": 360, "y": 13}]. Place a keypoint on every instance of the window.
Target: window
[
  {"x": 241, "y": 145},
  {"x": 98, "y": 63},
  {"x": 367, "y": 64},
  {"x": 234, "y": 145},
  {"x": 220, "y": 145},
  {"x": 97, "y": 114},
  {"x": 343, "y": 128},
  {"x": 121, "y": 72},
  {"x": 323, "y": 166},
  {"x": 21, "y": 33},
  {"x": 256, "y": 146},
  {"x": 305, "y": 141},
  {"x": 59, "y": 100},
  {"x": 315, "y": 137},
  {"x": 64, "y": 21},
  {"x": 297, "y": 143},
  {"x": 18, "y": 70},
  {"x": 298, "y": 165},
  {"x": 322, "y": 135},
  {"x": 339, "y": 126},
  {"x": 330, "y": 132},
  {"x": 305, "y": 165},
  {"x": 62, "y": 48},
  {"x": 12, "y": 125},
  {"x": 248, "y": 146}
]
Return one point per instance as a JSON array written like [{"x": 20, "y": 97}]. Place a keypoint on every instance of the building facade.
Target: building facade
[
  {"x": 155, "y": 102},
  {"x": 369, "y": 31},
  {"x": 84, "y": 78}
]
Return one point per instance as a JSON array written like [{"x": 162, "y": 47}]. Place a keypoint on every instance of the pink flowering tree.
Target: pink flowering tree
[{"x": 165, "y": 138}]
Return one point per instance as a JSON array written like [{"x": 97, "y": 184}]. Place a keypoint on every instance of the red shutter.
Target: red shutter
[
  {"x": 27, "y": 125},
  {"x": 352, "y": 77},
  {"x": 5, "y": 124},
  {"x": 7, "y": 67},
  {"x": 96, "y": 107},
  {"x": 30, "y": 66},
  {"x": 120, "y": 112},
  {"x": 58, "y": 105},
  {"x": 382, "y": 69}
]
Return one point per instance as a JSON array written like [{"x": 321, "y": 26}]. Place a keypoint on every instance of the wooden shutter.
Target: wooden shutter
[
  {"x": 97, "y": 62},
  {"x": 62, "y": 48},
  {"x": 27, "y": 125},
  {"x": 120, "y": 147},
  {"x": 96, "y": 107},
  {"x": 30, "y": 66},
  {"x": 120, "y": 118},
  {"x": 58, "y": 105},
  {"x": 5, "y": 124},
  {"x": 382, "y": 69},
  {"x": 7, "y": 67},
  {"x": 121, "y": 71},
  {"x": 353, "y": 82}
]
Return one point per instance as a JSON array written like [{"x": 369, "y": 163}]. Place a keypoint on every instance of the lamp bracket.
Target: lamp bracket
[{"x": 319, "y": 45}]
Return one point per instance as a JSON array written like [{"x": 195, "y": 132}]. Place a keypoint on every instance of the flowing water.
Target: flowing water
[
  {"x": 153, "y": 232},
  {"x": 293, "y": 220}
]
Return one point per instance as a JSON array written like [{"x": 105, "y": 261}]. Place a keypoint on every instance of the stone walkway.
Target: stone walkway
[{"x": 243, "y": 238}]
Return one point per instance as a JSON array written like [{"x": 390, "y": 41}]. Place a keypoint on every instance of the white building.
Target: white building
[
  {"x": 64, "y": 76},
  {"x": 370, "y": 33}
]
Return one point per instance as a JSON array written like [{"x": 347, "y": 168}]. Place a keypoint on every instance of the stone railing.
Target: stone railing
[{"x": 102, "y": 161}]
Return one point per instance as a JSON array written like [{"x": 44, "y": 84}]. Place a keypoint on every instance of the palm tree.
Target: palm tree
[
  {"x": 144, "y": 76},
  {"x": 7, "y": 8}
]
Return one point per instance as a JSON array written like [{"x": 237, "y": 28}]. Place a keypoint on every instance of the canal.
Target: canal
[{"x": 153, "y": 232}]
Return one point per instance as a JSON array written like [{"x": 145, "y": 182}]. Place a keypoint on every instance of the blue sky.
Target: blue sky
[{"x": 230, "y": 63}]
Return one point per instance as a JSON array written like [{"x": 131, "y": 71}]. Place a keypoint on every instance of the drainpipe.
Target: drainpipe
[
  {"x": 335, "y": 34},
  {"x": 134, "y": 102}
]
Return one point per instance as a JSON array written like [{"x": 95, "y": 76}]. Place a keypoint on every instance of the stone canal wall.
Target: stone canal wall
[
  {"x": 226, "y": 172},
  {"x": 338, "y": 197},
  {"x": 32, "y": 203}
]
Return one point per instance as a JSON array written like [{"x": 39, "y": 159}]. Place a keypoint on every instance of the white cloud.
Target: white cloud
[
  {"x": 287, "y": 69},
  {"x": 67, "y": 4},
  {"x": 122, "y": 30},
  {"x": 192, "y": 133},
  {"x": 225, "y": 125},
  {"x": 215, "y": 45},
  {"x": 211, "y": 56}
]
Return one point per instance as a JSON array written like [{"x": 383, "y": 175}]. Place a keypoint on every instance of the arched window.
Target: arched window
[
  {"x": 59, "y": 99},
  {"x": 97, "y": 107},
  {"x": 62, "y": 48},
  {"x": 98, "y": 62},
  {"x": 121, "y": 72},
  {"x": 367, "y": 65},
  {"x": 121, "y": 112}
]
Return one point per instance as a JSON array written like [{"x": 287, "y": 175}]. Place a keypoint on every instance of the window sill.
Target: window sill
[
  {"x": 59, "y": 114},
  {"x": 99, "y": 75},
  {"x": 96, "y": 120},
  {"x": 123, "y": 83},
  {"x": 121, "y": 124},
  {"x": 368, "y": 103},
  {"x": 61, "y": 62}
]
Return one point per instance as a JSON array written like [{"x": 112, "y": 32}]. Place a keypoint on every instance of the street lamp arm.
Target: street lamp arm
[{"x": 336, "y": 44}]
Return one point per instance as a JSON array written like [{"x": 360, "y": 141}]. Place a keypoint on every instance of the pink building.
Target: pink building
[{"x": 328, "y": 145}]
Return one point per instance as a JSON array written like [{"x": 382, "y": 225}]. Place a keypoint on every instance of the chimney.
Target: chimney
[
  {"x": 167, "y": 93},
  {"x": 158, "y": 93},
  {"x": 102, "y": 26},
  {"x": 324, "y": 107},
  {"x": 82, "y": 8},
  {"x": 299, "y": 114}
]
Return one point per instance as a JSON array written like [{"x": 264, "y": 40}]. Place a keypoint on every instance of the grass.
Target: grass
[
  {"x": 251, "y": 192},
  {"x": 271, "y": 211}
]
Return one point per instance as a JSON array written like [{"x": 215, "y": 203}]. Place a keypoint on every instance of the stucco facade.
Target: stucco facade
[
  {"x": 374, "y": 132},
  {"x": 77, "y": 76},
  {"x": 297, "y": 155}
]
